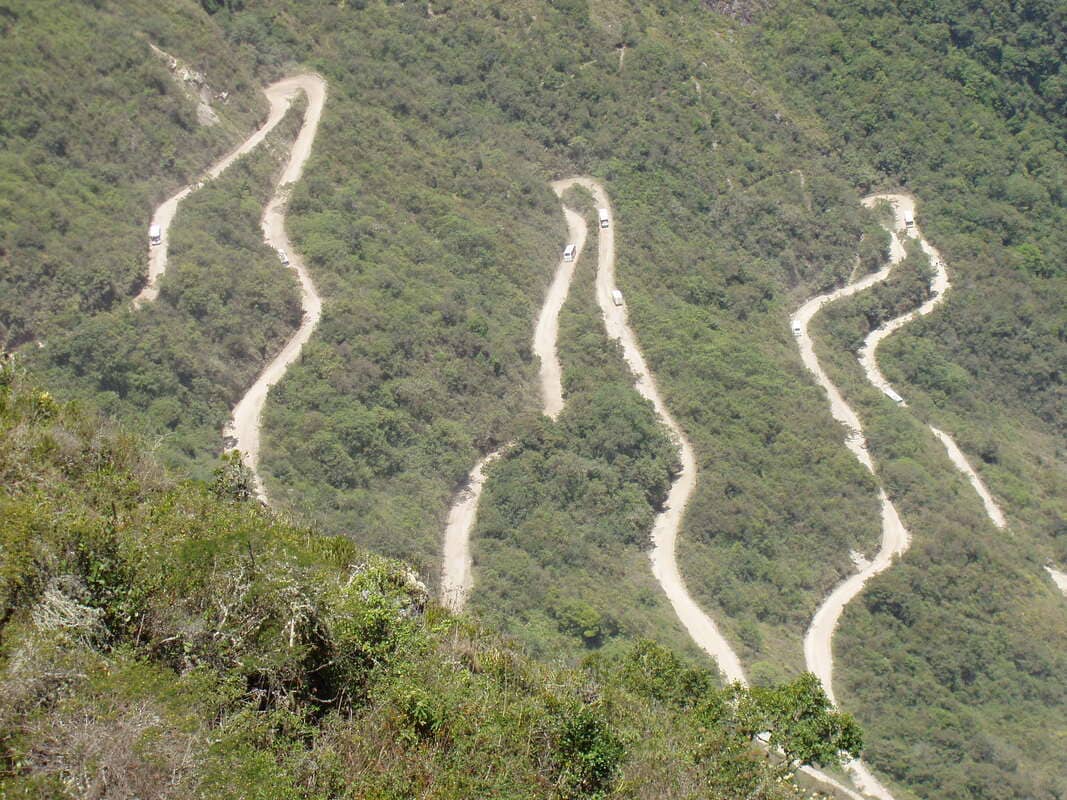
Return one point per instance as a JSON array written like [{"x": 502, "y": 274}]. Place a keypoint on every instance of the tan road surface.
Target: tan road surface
[
  {"x": 904, "y": 208},
  {"x": 456, "y": 570},
  {"x": 818, "y": 650},
  {"x": 665, "y": 528},
  {"x": 1059, "y": 578},
  {"x": 245, "y": 422},
  {"x": 164, "y": 214},
  {"x": 457, "y": 567}
]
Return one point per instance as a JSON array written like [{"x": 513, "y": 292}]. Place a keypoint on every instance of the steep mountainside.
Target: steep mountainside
[
  {"x": 735, "y": 148},
  {"x": 163, "y": 639}
]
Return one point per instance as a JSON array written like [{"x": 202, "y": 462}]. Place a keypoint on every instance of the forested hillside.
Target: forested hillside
[
  {"x": 94, "y": 131},
  {"x": 735, "y": 148},
  {"x": 965, "y": 107},
  {"x": 172, "y": 639}
]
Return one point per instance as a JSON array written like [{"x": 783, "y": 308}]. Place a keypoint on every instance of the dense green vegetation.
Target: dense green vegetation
[
  {"x": 735, "y": 157},
  {"x": 162, "y": 639},
  {"x": 944, "y": 620},
  {"x": 94, "y": 132},
  {"x": 578, "y": 491},
  {"x": 177, "y": 366},
  {"x": 424, "y": 361}
]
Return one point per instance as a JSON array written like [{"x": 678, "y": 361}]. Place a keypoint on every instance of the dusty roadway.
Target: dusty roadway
[
  {"x": 245, "y": 422},
  {"x": 667, "y": 523},
  {"x": 164, "y": 214},
  {"x": 904, "y": 208},
  {"x": 818, "y": 641},
  {"x": 701, "y": 627},
  {"x": 818, "y": 650},
  {"x": 457, "y": 568}
]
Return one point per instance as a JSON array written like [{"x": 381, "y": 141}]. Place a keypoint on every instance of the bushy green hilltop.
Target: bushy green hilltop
[
  {"x": 164, "y": 639},
  {"x": 735, "y": 147}
]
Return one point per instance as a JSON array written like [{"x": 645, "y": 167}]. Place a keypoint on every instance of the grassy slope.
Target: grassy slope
[{"x": 164, "y": 639}]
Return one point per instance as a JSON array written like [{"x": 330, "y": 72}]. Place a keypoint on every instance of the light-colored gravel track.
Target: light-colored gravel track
[
  {"x": 667, "y": 523},
  {"x": 164, "y": 214},
  {"x": 818, "y": 649},
  {"x": 456, "y": 569},
  {"x": 904, "y": 208},
  {"x": 457, "y": 574},
  {"x": 245, "y": 422}
]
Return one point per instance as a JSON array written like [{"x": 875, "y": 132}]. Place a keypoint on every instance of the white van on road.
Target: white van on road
[
  {"x": 616, "y": 297},
  {"x": 602, "y": 213},
  {"x": 155, "y": 235},
  {"x": 569, "y": 252}
]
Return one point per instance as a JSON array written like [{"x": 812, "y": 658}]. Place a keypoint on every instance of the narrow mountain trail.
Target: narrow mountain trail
[
  {"x": 244, "y": 426},
  {"x": 702, "y": 629},
  {"x": 456, "y": 578}
]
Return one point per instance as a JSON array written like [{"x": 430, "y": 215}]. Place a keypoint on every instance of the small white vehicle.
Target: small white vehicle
[
  {"x": 797, "y": 330},
  {"x": 569, "y": 252},
  {"x": 155, "y": 235},
  {"x": 602, "y": 213},
  {"x": 283, "y": 257},
  {"x": 616, "y": 297},
  {"x": 892, "y": 395},
  {"x": 909, "y": 221}
]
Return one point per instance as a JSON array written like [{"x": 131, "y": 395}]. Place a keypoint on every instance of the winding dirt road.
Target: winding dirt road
[
  {"x": 164, "y": 214},
  {"x": 457, "y": 568},
  {"x": 818, "y": 641},
  {"x": 818, "y": 651},
  {"x": 244, "y": 425},
  {"x": 667, "y": 523},
  {"x": 904, "y": 209},
  {"x": 702, "y": 629}
]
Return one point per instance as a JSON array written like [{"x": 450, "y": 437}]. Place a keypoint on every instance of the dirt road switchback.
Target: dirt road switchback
[
  {"x": 457, "y": 572},
  {"x": 904, "y": 225},
  {"x": 244, "y": 424},
  {"x": 665, "y": 528}
]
